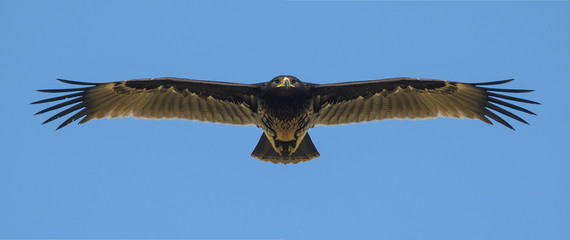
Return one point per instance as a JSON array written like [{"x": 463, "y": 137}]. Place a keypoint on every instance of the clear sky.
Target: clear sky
[{"x": 436, "y": 179}]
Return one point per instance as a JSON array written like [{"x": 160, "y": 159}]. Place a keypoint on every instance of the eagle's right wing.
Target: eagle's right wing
[
  {"x": 158, "y": 98},
  {"x": 412, "y": 98}
]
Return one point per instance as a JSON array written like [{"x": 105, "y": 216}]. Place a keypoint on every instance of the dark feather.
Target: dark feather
[
  {"x": 505, "y": 112},
  {"x": 511, "y": 98},
  {"x": 507, "y": 90},
  {"x": 498, "y": 119},
  {"x": 510, "y": 105},
  {"x": 63, "y": 90},
  {"x": 493, "y": 82},
  {"x": 76, "y": 82},
  {"x": 58, "y": 98},
  {"x": 65, "y": 112},
  {"x": 72, "y": 101}
]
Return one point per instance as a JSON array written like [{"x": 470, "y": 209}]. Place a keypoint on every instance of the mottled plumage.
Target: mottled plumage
[{"x": 285, "y": 108}]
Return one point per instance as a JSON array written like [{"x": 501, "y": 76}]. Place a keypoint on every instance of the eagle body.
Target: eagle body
[
  {"x": 285, "y": 108},
  {"x": 286, "y": 113}
]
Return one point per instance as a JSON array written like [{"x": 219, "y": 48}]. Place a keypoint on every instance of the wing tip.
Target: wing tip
[
  {"x": 498, "y": 119},
  {"x": 45, "y": 90},
  {"x": 493, "y": 82},
  {"x": 506, "y": 90},
  {"x": 499, "y": 89},
  {"x": 75, "y": 82}
]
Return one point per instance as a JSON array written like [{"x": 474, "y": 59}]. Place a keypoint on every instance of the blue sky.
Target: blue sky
[{"x": 437, "y": 179}]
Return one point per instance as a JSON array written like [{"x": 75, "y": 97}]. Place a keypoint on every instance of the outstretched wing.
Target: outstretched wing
[
  {"x": 157, "y": 98},
  {"x": 412, "y": 98}
]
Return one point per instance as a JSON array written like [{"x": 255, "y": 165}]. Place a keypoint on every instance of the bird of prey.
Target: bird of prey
[{"x": 285, "y": 107}]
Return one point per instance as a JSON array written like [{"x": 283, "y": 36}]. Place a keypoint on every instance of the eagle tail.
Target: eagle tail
[{"x": 305, "y": 152}]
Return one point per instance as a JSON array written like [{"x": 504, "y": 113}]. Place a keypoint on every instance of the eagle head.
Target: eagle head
[{"x": 284, "y": 82}]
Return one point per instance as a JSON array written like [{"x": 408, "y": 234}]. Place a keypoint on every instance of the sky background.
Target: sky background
[{"x": 437, "y": 179}]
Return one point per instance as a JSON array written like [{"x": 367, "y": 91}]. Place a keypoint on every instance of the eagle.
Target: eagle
[{"x": 285, "y": 108}]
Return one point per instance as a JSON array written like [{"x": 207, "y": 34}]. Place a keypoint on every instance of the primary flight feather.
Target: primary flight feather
[{"x": 285, "y": 108}]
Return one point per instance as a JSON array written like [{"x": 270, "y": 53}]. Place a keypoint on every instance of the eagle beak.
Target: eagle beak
[{"x": 285, "y": 83}]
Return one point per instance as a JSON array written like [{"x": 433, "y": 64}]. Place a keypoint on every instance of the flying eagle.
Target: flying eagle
[{"x": 285, "y": 108}]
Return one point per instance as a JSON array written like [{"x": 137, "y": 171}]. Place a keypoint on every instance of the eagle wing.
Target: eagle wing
[
  {"x": 157, "y": 98},
  {"x": 412, "y": 98}
]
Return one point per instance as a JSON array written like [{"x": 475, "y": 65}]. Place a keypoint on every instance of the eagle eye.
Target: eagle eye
[
  {"x": 276, "y": 80},
  {"x": 294, "y": 81}
]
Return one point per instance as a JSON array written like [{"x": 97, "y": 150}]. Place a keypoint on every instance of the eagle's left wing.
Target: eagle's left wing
[
  {"x": 412, "y": 98},
  {"x": 157, "y": 98}
]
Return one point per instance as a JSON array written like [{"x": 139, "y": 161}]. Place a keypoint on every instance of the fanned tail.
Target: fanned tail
[{"x": 265, "y": 152}]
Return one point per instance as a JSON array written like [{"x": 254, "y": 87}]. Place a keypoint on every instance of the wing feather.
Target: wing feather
[
  {"x": 126, "y": 107},
  {"x": 386, "y": 107},
  {"x": 450, "y": 105},
  {"x": 436, "y": 109},
  {"x": 204, "y": 109},
  {"x": 240, "y": 114},
  {"x": 415, "y": 106},
  {"x": 341, "y": 116},
  {"x": 157, "y": 105},
  {"x": 161, "y": 98},
  {"x": 424, "y": 106},
  {"x": 465, "y": 106},
  {"x": 505, "y": 112},
  {"x": 357, "y": 109},
  {"x": 510, "y": 105},
  {"x": 365, "y": 112},
  {"x": 59, "y": 98},
  {"x": 141, "y": 101},
  {"x": 394, "y": 107},
  {"x": 412, "y": 98},
  {"x": 63, "y": 104},
  {"x": 174, "y": 108},
  {"x": 193, "y": 110}
]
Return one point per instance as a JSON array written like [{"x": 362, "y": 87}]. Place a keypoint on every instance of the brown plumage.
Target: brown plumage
[{"x": 285, "y": 108}]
